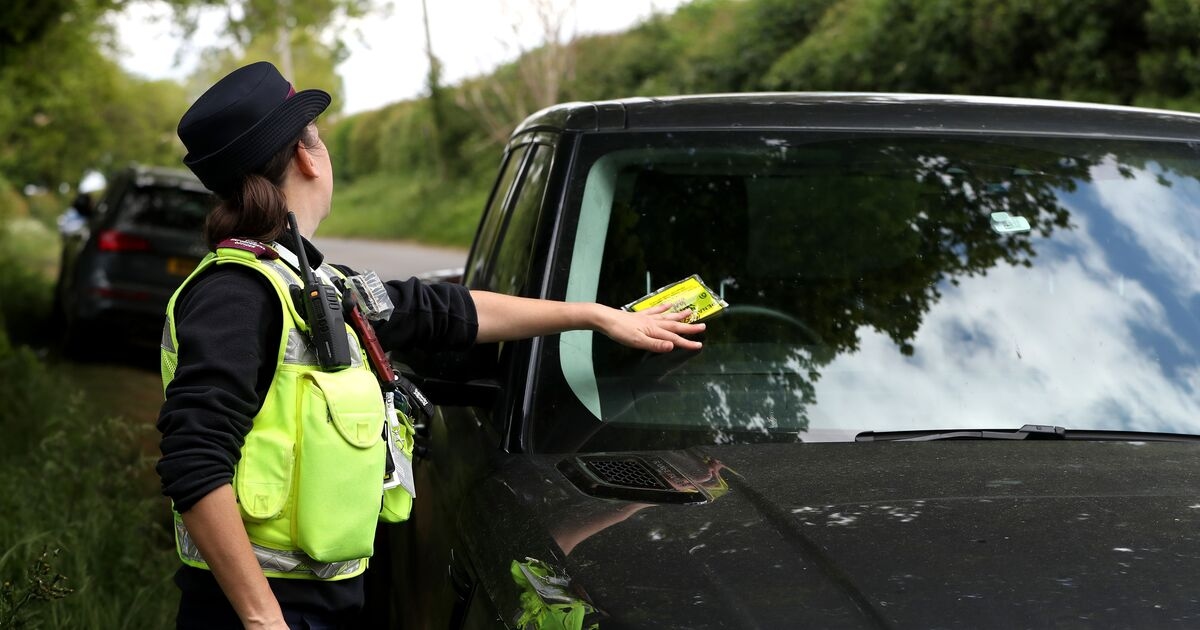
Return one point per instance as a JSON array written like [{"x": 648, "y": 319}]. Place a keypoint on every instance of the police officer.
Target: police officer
[{"x": 240, "y": 378}]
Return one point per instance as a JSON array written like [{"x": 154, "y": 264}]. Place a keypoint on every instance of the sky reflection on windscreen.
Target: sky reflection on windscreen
[{"x": 1100, "y": 333}]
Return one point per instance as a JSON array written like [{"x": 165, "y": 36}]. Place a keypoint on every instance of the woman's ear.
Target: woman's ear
[{"x": 306, "y": 163}]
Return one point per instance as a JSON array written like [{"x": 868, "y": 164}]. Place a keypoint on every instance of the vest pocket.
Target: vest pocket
[
  {"x": 340, "y": 464},
  {"x": 264, "y": 473}
]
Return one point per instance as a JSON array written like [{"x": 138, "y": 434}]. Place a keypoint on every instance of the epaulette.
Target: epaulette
[{"x": 247, "y": 245}]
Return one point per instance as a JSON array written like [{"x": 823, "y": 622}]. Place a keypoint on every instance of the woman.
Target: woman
[{"x": 232, "y": 373}]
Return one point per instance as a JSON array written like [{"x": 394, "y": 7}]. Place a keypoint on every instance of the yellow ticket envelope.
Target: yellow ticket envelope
[{"x": 689, "y": 293}]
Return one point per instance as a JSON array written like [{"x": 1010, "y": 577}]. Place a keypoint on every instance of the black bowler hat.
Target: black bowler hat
[{"x": 243, "y": 121}]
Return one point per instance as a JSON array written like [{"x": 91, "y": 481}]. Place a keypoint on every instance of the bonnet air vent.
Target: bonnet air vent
[
  {"x": 630, "y": 478},
  {"x": 631, "y": 473}
]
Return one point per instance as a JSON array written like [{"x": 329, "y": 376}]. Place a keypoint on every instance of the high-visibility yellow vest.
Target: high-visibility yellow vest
[{"x": 309, "y": 483}]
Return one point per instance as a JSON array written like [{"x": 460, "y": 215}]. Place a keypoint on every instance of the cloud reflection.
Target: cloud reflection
[{"x": 1074, "y": 341}]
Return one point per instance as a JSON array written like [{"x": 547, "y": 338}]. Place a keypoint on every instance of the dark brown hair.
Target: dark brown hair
[{"x": 258, "y": 210}]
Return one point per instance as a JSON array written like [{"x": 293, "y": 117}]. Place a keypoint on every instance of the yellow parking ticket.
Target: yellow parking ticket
[{"x": 689, "y": 293}]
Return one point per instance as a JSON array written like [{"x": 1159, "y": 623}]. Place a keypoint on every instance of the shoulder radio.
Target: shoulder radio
[{"x": 322, "y": 307}]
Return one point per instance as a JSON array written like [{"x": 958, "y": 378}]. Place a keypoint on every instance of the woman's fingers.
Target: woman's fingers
[
  {"x": 678, "y": 317},
  {"x": 675, "y": 335},
  {"x": 662, "y": 311},
  {"x": 653, "y": 329},
  {"x": 671, "y": 332}
]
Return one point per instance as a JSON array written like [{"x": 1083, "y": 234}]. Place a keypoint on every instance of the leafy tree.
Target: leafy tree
[
  {"x": 1170, "y": 70},
  {"x": 49, "y": 127},
  {"x": 1084, "y": 49},
  {"x": 302, "y": 37},
  {"x": 315, "y": 65},
  {"x": 69, "y": 108},
  {"x": 24, "y": 23},
  {"x": 73, "y": 110}
]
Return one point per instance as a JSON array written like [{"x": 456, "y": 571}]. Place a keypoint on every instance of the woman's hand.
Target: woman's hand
[
  {"x": 217, "y": 529},
  {"x": 653, "y": 329}
]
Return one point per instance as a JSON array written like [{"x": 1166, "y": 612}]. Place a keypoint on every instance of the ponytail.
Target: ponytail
[{"x": 258, "y": 209}]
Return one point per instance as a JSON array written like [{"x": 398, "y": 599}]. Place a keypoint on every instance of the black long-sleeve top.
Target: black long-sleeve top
[{"x": 228, "y": 325}]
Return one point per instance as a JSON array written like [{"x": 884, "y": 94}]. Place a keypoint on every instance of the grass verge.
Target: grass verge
[{"x": 83, "y": 538}]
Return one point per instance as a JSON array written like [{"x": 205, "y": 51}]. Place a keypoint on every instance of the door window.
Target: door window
[
  {"x": 509, "y": 271},
  {"x": 481, "y": 252}
]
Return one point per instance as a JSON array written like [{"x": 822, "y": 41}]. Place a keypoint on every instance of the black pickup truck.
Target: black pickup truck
[{"x": 957, "y": 383}]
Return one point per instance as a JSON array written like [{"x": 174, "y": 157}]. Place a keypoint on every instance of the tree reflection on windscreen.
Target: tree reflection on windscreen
[{"x": 872, "y": 287}]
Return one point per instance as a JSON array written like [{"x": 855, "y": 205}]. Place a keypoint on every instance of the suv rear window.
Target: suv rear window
[{"x": 165, "y": 207}]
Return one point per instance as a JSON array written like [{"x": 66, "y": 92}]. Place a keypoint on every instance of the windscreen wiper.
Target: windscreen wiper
[{"x": 1027, "y": 432}]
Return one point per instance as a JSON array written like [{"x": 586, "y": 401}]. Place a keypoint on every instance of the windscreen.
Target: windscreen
[{"x": 881, "y": 283}]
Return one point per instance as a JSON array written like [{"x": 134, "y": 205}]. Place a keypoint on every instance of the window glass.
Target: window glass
[
  {"x": 494, "y": 217},
  {"x": 111, "y": 195},
  {"x": 509, "y": 272},
  {"x": 882, "y": 283},
  {"x": 165, "y": 207}
]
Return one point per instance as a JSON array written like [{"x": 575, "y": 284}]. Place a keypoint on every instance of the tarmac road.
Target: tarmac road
[{"x": 391, "y": 260}]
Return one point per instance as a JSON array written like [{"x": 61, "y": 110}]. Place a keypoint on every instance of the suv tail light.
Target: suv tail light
[{"x": 114, "y": 241}]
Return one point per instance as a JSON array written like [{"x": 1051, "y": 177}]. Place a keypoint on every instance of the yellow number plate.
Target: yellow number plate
[{"x": 181, "y": 266}]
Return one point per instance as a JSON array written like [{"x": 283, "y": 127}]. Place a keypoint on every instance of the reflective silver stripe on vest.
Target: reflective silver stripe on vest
[
  {"x": 296, "y": 562},
  {"x": 356, "y": 352},
  {"x": 283, "y": 271},
  {"x": 299, "y": 351},
  {"x": 167, "y": 344}
]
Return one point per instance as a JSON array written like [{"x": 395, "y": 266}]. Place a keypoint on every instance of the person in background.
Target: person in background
[{"x": 240, "y": 378}]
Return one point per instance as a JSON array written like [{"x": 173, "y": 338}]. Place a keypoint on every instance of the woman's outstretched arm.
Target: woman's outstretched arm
[{"x": 504, "y": 317}]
